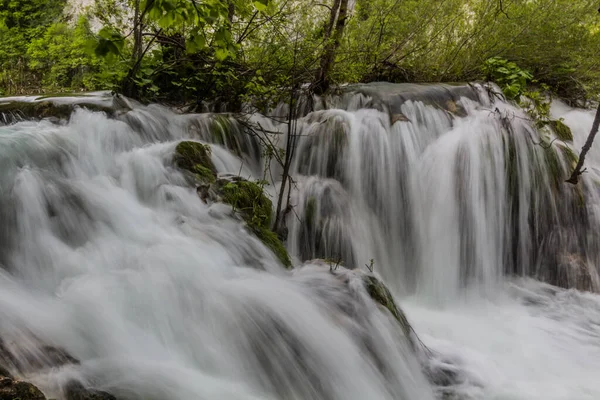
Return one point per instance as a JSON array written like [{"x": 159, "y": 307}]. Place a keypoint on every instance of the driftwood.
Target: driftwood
[{"x": 586, "y": 147}]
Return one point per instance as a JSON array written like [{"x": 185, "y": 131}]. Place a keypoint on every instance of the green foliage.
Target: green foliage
[
  {"x": 508, "y": 75},
  {"x": 110, "y": 42},
  {"x": 231, "y": 51},
  {"x": 21, "y": 21}
]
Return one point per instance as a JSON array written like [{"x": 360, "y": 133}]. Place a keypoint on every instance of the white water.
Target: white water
[{"x": 110, "y": 255}]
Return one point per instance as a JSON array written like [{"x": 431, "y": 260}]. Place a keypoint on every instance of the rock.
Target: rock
[
  {"x": 376, "y": 290},
  {"x": 324, "y": 147},
  {"x": 53, "y": 108},
  {"x": 76, "y": 391},
  {"x": 399, "y": 118},
  {"x": 575, "y": 272},
  {"x": 254, "y": 207},
  {"x": 18, "y": 390},
  {"x": 560, "y": 129},
  {"x": 195, "y": 158},
  {"x": 382, "y": 296},
  {"x": 455, "y": 108},
  {"x": 247, "y": 198},
  {"x": 30, "y": 356}
]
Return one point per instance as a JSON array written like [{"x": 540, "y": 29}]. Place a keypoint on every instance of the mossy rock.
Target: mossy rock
[
  {"x": 47, "y": 109},
  {"x": 17, "y": 390},
  {"x": 272, "y": 241},
  {"x": 570, "y": 156},
  {"x": 247, "y": 198},
  {"x": 559, "y": 128},
  {"x": 250, "y": 202},
  {"x": 381, "y": 295},
  {"x": 562, "y": 131},
  {"x": 196, "y": 158}
]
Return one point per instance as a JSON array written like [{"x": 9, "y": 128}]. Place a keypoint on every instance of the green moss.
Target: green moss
[
  {"x": 204, "y": 174},
  {"x": 310, "y": 211},
  {"x": 13, "y": 390},
  {"x": 381, "y": 295},
  {"x": 558, "y": 127},
  {"x": 569, "y": 155},
  {"x": 270, "y": 239},
  {"x": 562, "y": 131},
  {"x": 250, "y": 201},
  {"x": 555, "y": 170},
  {"x": 195, "y": 157},
  {"x": 222, "y": 133},
  {"x": 220, "y": 129}
]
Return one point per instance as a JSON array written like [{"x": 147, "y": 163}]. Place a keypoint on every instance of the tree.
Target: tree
[
  {"x": 338, "y": 16},
  {"x": 21, "y": 21}
]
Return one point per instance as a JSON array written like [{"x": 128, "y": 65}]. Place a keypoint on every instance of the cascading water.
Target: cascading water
[{"x": 449, "y": 195}]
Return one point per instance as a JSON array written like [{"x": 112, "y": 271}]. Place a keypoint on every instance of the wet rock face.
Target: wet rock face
[
  {"x": 34, "y": 357},
  {"x": 574, "y": 271},
  {"x": 31, "y": 356},
  {"x": 76, "y": 391},
  {"x": 16, "y": 390}
]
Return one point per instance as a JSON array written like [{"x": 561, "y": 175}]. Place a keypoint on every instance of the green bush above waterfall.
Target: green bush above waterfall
[{"x": 228, "y": 51}]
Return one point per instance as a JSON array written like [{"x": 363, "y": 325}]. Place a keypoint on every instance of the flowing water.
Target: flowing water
[{"x": 449, "y": 194}]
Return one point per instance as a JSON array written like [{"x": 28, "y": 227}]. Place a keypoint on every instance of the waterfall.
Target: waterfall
[{"x": 448, "y": 193}]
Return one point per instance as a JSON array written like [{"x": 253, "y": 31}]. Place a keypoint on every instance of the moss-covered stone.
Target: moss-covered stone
[
  {"x": 569, "y": 155},
  {"x": 562, "y": 131},
  {"x": 272, "y": 241},
  {"x": 381, "y": 295},
  {"x": 17, "y": 390},
  {"x": 249, "y": 201},
  {"x": 196, "y": 158},
  {"x": 247, "y": 198}
]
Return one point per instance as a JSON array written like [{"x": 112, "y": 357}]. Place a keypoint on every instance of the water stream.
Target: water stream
[{"x": 108, "y": 253}]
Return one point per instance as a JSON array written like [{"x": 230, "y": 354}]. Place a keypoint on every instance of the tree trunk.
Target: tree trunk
[
  {"x": 230, "y": 12},
  {"x": 331, "y": 45},
  {"x": 129, "y": 87},
  {"x": 586, "y": 147},
  {"x": 332, "y": 16}
]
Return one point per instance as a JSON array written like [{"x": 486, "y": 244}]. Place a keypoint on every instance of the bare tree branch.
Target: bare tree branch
[{"x": 584, "y": 150}]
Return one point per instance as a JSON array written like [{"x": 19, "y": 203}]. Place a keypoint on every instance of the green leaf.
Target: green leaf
[
  {"x": 221, "y": 54},
  {"x": 261, "y": 5}
]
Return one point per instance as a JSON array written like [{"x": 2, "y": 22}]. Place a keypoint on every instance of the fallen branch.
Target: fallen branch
[{"x": 586, "y": 147}]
